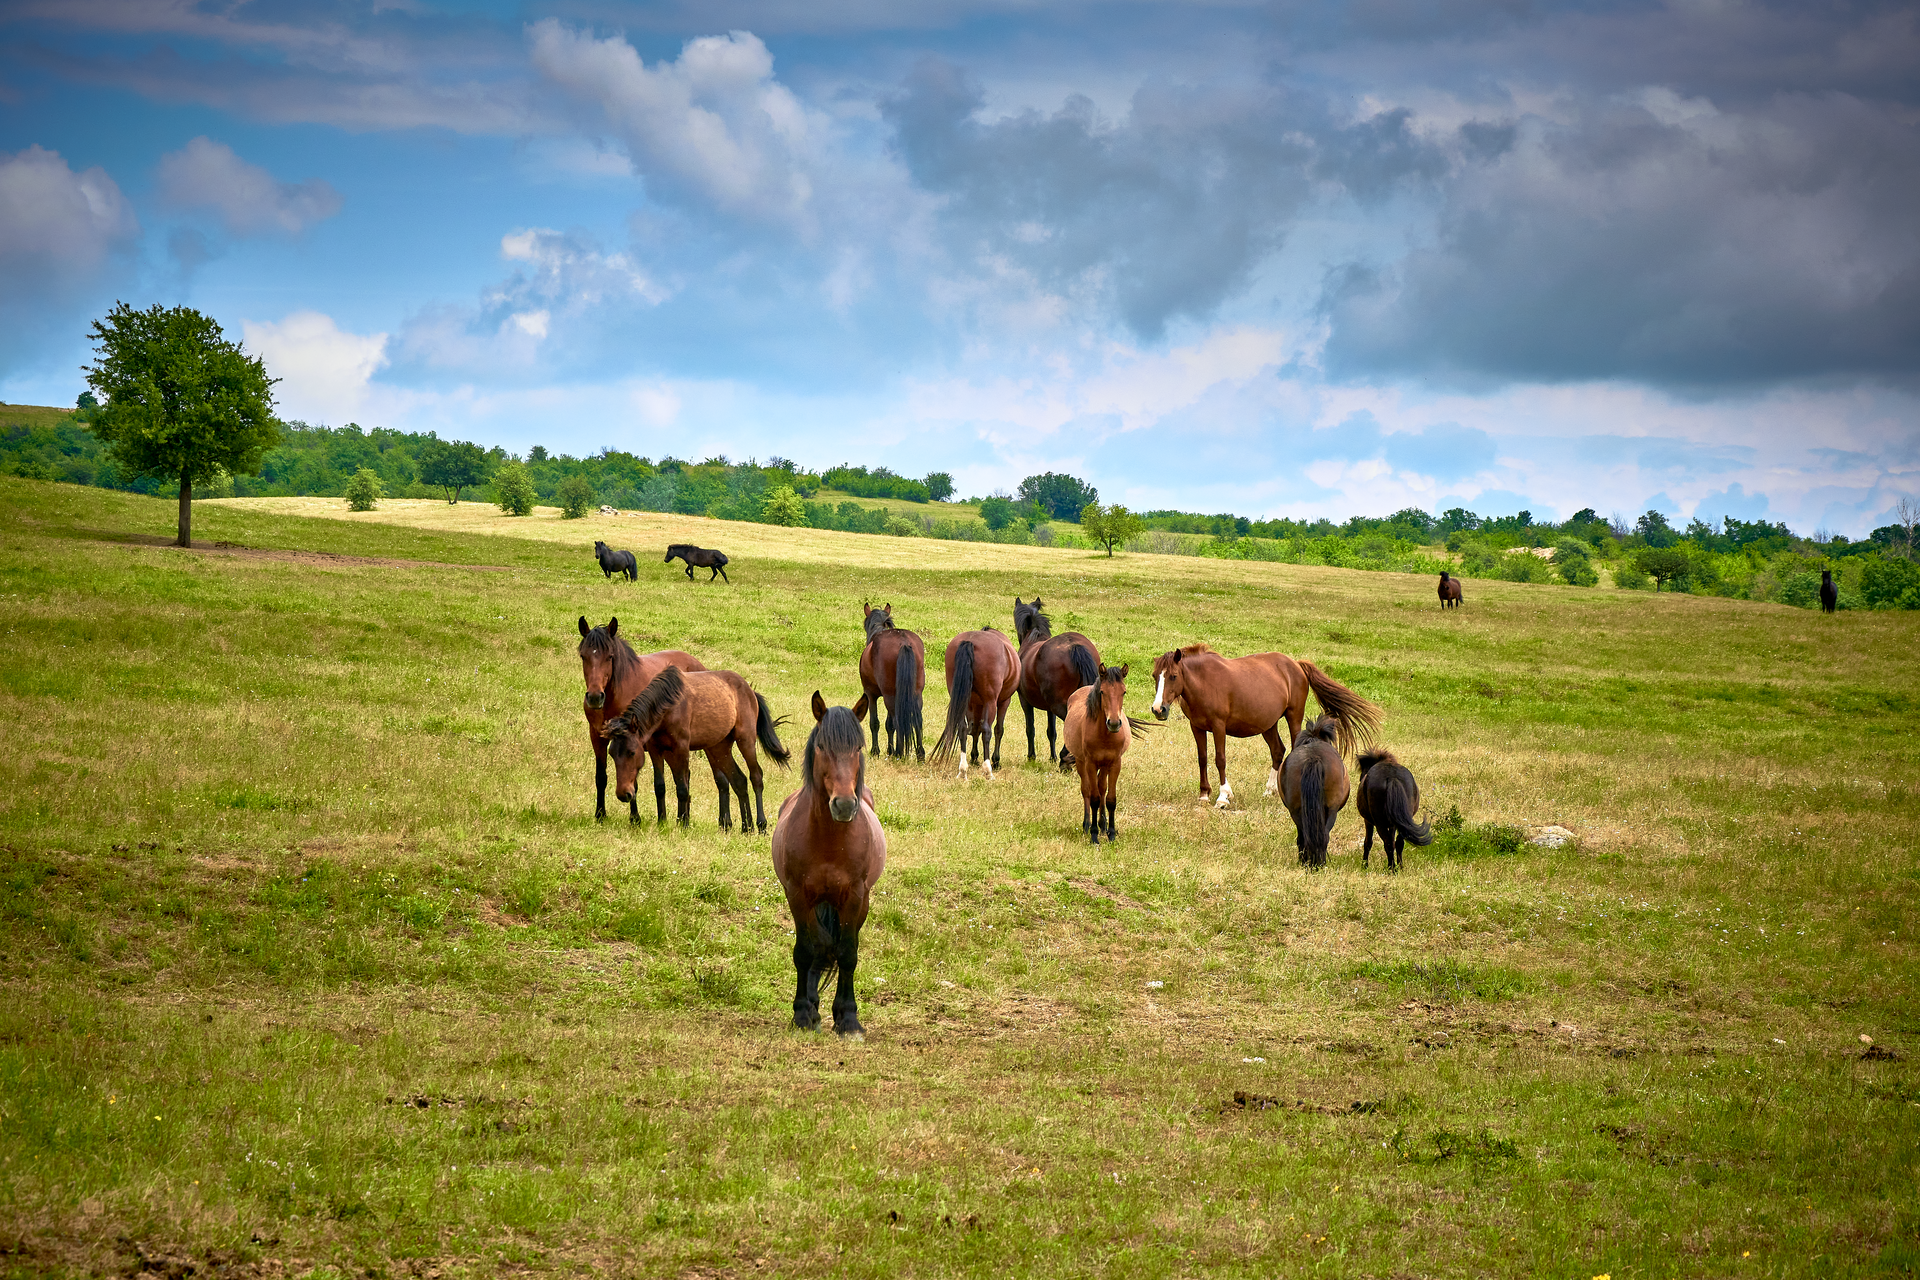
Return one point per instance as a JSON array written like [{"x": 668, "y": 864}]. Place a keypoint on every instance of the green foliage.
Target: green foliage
[
  {"x": 997, "y": 512},
  {"x": 513, "y": 489},
  {"x": 1661, "y": 563},
  {"x": 1062, "y": 496},
  {"x": 1887, "y": 582},
  {"x": 1453, "y": 838},
  {"x": 901, "y": 527},
  {"x": 1653, "y": 529},
  {"x": 1629, "y": 576},
  {"x": 364, "y": 491},
  {"x": 939, "y": 486},
  {"x": 1109, "y": 527},
  {"x": 453, "y": 465},
  {"x": 877, "y": 483},
  {"x": 1573, "y": 564},
  {"x": 784, "y": 506},
  {"x": 575, "y": 495},
  {"x": 1522, "y": 566}
]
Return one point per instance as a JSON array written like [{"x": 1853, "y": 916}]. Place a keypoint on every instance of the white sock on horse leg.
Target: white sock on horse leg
[
  {"x": 1273, "y": 782},
  {"x": 1226, "y": 796}
]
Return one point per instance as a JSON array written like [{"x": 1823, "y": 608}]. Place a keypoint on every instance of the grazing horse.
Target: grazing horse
[
  {"x": 1314, "y": 788},
  {"x": 893, "y": 669},
  {"x": 614, "y": 673},
  {"x": 1829, "y": 594},
  {"x": 1388, "y": 798},
  {"x": 1449, "y": 591},
  {"x": 697, "y": 557},
  {"x": 710, "y": 711},
  {"x": 612, "y": 562},
  {"x": 1098, "y": 733},
  {"x": 983, "y": 670},
  {"x": 828, "y": 853},
  {"x": 1052, "y": 669},
  {"x": 1245, "y": 697}
]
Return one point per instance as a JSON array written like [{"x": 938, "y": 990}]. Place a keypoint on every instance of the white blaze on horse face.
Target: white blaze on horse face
[
  {"x": 1273, "y": 782},
  {"x": 1160, "y": 692},
  {"x": 1226, "y": 795}
]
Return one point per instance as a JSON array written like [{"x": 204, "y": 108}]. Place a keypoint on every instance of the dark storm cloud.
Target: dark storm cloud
[{"x": 1167, "y": 211}]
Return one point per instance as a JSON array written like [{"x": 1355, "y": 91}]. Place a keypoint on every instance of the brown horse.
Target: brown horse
[
  {"x": 1098, "y": 733},
  {"x": 1244, "y": 697},
  {"x": 983, "y": 670},
  {"x": 1314, "y": 788},
  {"x": 893, "y": 669},
  {"x": 1449, "y": 591},
  {"x": 1052, "y": 669},
  {"x": 828, "y": 853},
  {"x": 614, "y": 673},
  {"x": 1387, "y": 798},
  {"x": 710, "y": 711}
]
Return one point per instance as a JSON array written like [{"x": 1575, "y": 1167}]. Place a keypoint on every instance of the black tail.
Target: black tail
[
  {"x": 769, "y": 740},
  {"x": 826, "y": 918},
  {"x": 906, "y": 696},
  {"x": 957, "y": 699},
  {"x": 1315, "y": 830},
  {"x": 1084, "y": 666},
  {"x": 1399, "y": 815}
]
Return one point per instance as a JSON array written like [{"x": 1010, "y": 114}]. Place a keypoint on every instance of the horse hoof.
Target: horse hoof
[{"x": 856, "y": 1033}]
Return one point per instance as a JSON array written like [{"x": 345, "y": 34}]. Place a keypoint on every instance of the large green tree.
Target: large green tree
[
  {"x": 1062, "y": 495},
  {"x": 182, "y": 402},
  {"x": 453, "y": 465},
  {"x": 1110, "y": 526}
]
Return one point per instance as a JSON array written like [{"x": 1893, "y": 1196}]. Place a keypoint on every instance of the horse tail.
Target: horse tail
[
  {"x": 764, "y": 729},
  {"x": 1358, "y": 718},
  {"x": 906, "y": 693},
  {"x": 1399, "y": 815},
  {"x": 1084, "y": 666},
  {"x": 957, "y": 699},
  {"x": 720, "y": 557},
  {"x": 1315, "y": 830}
]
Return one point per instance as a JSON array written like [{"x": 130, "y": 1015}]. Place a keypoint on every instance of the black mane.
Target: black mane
[
  {"x": 839, "y": 733},
  {"x": 598, "y": 641},
  {"x": 876, "y": 621},
  {"x": 651, "y": 702},
  {"x": 1027, "y": 618}
]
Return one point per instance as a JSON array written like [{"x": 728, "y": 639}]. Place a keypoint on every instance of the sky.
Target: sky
[{"x": 1290, "y": 258}]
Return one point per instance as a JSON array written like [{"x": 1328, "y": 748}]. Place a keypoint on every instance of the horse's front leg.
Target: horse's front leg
[
  {"x": 1113, "y": 798},
  {"x": 806, "y": 984},
  {"x": 599, "y": 776},
  {"x": 846, "y": 1013},
  {"x": 1200, "y": 749},
  {"x": 659, "y": 787},
  {"x": 682, "y": 788},
  {"x": 1220, "y": 766}
]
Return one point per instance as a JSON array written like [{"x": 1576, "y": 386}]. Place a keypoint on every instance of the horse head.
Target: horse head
[
  {"x": 1112, "y": 694},
  {"x": 1028, "y": 620},
  {"x": 1167, "y": 684},
  {"x": 596, "y": 659},
  {"x": 835, "y": 760}
]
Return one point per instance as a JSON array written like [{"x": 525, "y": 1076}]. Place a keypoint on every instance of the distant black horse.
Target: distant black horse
[
  {"x": 1829, "y": 594},
  {"x": 612, "y": 562},
  {"x": 695, "y": 556}
]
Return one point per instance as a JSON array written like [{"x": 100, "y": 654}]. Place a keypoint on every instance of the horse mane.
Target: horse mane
[
  {"x": 838, "y": 732},
  {"x": 1368, "y": 759},
  {"x": 598, "y": 641},
  {"x": 1093, "y": 700},
  {"x": 652, "y": 702},
  {"x": 680, "y": 546},
  {"x": 875, "y": 622},
  {"x": 1325, "y": 728},
  {"x": 1187, "y": 651},
  {"x": 1040, "y": 624}
]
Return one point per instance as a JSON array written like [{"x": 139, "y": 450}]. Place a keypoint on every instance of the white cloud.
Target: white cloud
[
  {"x": 325, "y": 372},
  {"x": 714, "y": 121},
  {"x": 206, "y": 174},
  {"x": 571, "y": 271},
  {"x": 57, "y": 226}
]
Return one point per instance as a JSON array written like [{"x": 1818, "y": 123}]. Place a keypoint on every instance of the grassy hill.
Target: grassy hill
[{"x": 314, "y": 961}]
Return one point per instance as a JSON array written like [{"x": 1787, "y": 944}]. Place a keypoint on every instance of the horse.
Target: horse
[
  {"x": 1098, "y": 733},
  {"x": 828, "y": 853},
  {"x": 983, "y": 670},
  {"x": 710, "y": 711},
  {"x": 614, "y": 673},
  {"x": 1829, "y": 594},
  {"x": 1449, "y": 591},
  {"x": 1388, "y": 798},
  {"x": 1242, "y": 697},
  {"x": 1052, "y": 669},
  {"x": 612, "y": 562},
  {"x": 1314, "y": 788},
  {"x": 697, "y": 557},
  {"x": 893, "y": 669}
]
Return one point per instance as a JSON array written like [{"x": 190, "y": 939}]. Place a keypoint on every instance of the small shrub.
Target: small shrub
[
  {"x": 784, "y": 507},
  {"x": 1629, "y": 576},
  {"x": 576, "y": 497},
  {"x": 901, "y": 527},
  {"x": 513, "y": 489},
  {"x": 364, "y": 490},
  {"x": 1523, "y": 566}
]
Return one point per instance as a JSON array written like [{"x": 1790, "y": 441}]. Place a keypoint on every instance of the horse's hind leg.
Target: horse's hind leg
[
  {"x": 659, "y": 788},
  {"x": 1277, "y": 753},
  {"x": 1386, "y": 843},
  {"x": 1028, "y": 708},
  {"x": 1053, "y": 752},
  {"x": 723, "y": 576},
  {"x": 724, "y": 784},
  {"x": 846, "y": 1012},
  {"x": 758, "y": 777},
  {"x": 873, "y": 721}
]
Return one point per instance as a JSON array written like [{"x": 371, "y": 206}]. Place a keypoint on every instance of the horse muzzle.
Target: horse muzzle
[
  {"x": 1160, "y": 713},
  {"x": 1113, "y": 726},
  {"x": 595, "y": 701},
  {"x": 843, "y": 808}
]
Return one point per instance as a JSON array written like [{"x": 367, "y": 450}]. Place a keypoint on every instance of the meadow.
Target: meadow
[{"x": 315, "y": 963}]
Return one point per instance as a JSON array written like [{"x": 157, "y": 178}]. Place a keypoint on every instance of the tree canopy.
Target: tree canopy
[
  {"x": 453, "y": 465},
  {"x": 183, "y": 403},
  {"x": 1063, "y": 496}
]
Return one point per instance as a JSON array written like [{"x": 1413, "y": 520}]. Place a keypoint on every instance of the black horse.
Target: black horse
[
  {"x": 697, "y": 557},
  {"x": 1829, "y": 594},
  {"x": 612, "y": 562}
]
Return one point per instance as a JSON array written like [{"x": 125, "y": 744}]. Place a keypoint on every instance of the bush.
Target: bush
[
  {"x": 576, "y": 497},
  {"x": 1523, "y": 566},
  {"x": 997, "y": 512},
  {"x": 1662, "y": 564},
  {"x": 1452, "y": 837},
  {"x": 784, "y": 507},
  {"x": 901, "y": 527},
  {"x": 1629, "y": 576},
  {"x": 513, "y": 489},
  {"x": 364, "y": 490},
  {"x": 1888, "y": 583},
  {"x": 1571, "y": 562}
]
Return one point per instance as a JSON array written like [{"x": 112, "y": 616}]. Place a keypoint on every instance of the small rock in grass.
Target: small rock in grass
[{"x": 1155, "y": 985}]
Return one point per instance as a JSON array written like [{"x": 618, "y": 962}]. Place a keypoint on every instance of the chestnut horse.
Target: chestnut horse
[
  {"x": 893, "y": 669},
  {"x": 1052, "y": 669},
  {"x": 983, "y": 670},
  {"x": 1387, "y": 798},
  {"x": 614, "y": 673},
  {"x": 1245, "y": 697},
  {"x": 1098, "y": 733},
  {"x": 1449, "y": 591},
  {"x": 1314, "y": 788},
  {"x": 828, "y": 853},
  {"x": 710, "y": 711}
]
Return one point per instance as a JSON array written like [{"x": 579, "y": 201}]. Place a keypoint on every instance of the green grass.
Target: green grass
[{"x": 313, "y": 961}]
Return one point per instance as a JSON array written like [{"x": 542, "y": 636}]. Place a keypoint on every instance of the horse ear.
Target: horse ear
[
  {"x": 819, "y": 706},
  {"x": 859, "y": 708},
  {"x": 1175, "y": 655},
  {"x": 866, "y": 607},
  {"x": 1122, "y": 673},
  {"x": 584, "y": 628},
  {"x": 613, "y": 626}
]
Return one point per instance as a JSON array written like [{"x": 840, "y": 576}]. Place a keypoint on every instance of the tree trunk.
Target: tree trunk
[{"x": 186, "y": 510}]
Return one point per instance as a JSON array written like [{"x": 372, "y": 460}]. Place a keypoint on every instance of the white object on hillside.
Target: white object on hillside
[{"x": 1552, "y": 837}]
